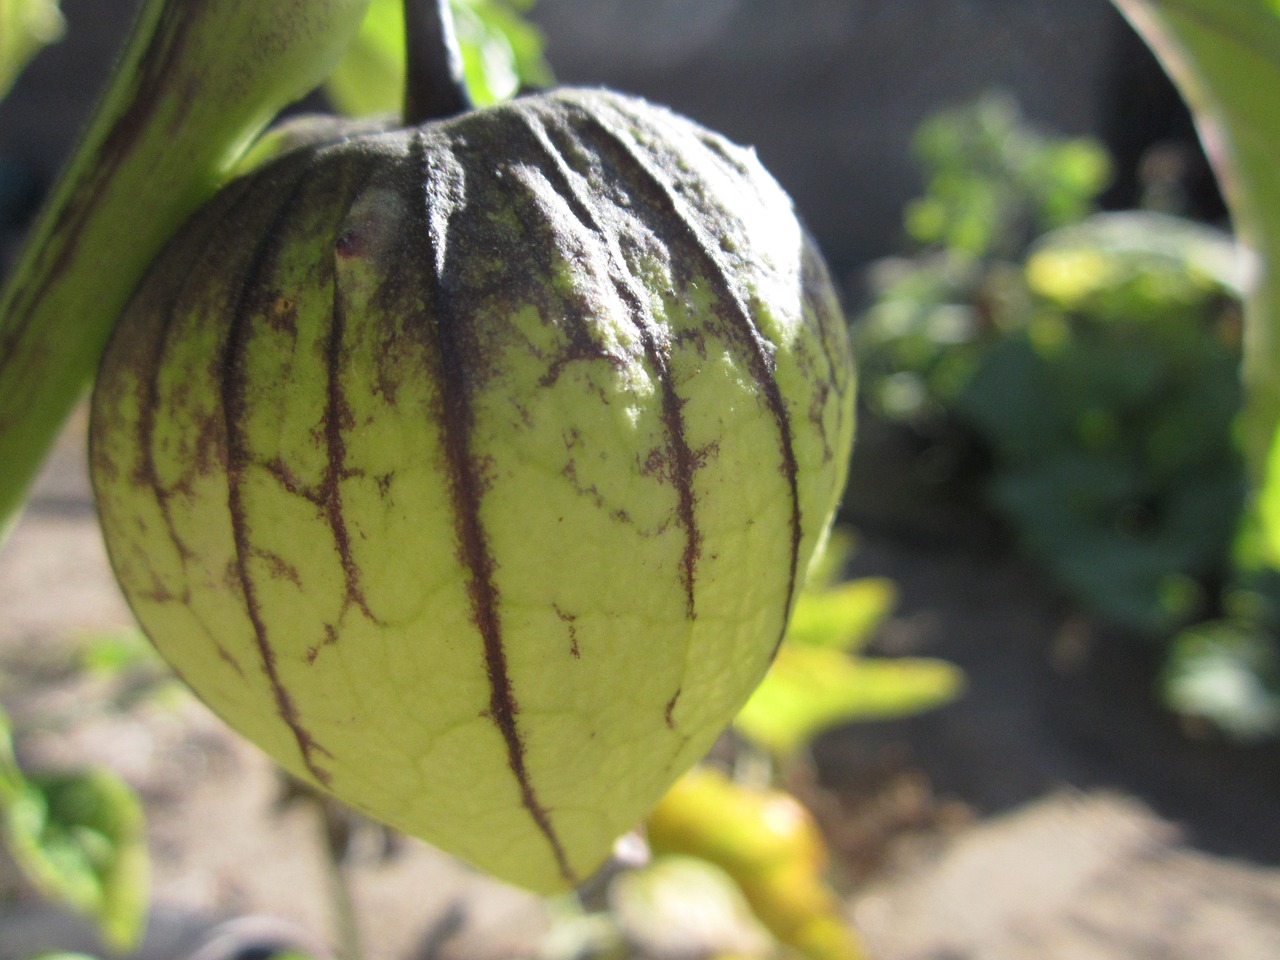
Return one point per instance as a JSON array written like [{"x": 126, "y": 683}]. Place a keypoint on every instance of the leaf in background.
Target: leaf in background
[
  {"x": 1224, "y": 56},
  {"x": 25, "y": 27},
  {"x": 992, "y": 179},
  {"x": 369, "y": 79},
  {"x": 111, "y": 653},
  {"x": 11, "y": 779},
  {"x": 809, "y": 689},
  {"x": 827, "y": 565},
  {"x": 79, "y": 837},
  {"x": 501, "y": 52},
  {"x": 1135, "y": 265},
  {"x": 1228, "y": 674},
  {"x": 843, "y": 617}
]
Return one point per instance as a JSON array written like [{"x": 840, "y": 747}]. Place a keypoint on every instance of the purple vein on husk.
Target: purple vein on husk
[
  {"x": 337, "y": 418},
  {"x": 433, "y": 217},
  {"x": 682, "y": 461},
  {"x": 196, "y": 253},
  {"x": 234, "y": 404},
  {"x": 760, "y": 359}
]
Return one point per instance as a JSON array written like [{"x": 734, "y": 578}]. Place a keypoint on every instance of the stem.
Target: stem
[
  {"x": 196, "y": 84},
  {"x": 435, "y": 84},
  {"x": 335, "y": 829}
]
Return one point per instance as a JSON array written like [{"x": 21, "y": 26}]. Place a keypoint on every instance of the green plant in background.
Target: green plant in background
[
  {"x": 1095, "y": 363},
  {"x": 1224, "y": 56},
  {"x": 501, "y": 54},
  {"x": 993, "y": 182},
  {"x": 78, "y": 836},
  {"x": 25, "y": 27},
  {"x": 1109, "y": 415},
  {"x": 819, "y": 680}
]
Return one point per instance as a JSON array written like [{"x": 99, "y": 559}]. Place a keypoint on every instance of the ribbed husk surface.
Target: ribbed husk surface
[{"x": 471, "y": 469}]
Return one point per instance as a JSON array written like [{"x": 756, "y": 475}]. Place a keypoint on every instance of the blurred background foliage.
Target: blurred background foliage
[
  {"x": 501, "y": 54},
  {"x": 1089, "y": 362},
  {"x": 25, "y": 27}
]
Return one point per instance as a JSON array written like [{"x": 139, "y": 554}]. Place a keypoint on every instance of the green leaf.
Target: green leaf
[
  {"x": 501, "y": 51},
  {"x": 827, "y": 565},
  {"x": 843, "y": 617},
  {"x": 809, "y": 689},
  {"x": 1229, "y": 674},
  {"x": 369, "y": 79},
  {"x": 25, "y": 27},
  {"x": 79, "y": 838},
  {"x": 991, "y": 178},
  {"x": 11, "y": 780},
  {"x": 1136, "y": 265},
  {"x": 116, "y": 652}
]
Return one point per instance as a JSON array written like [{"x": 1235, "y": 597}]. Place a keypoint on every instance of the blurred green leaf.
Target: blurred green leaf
[
  {"x": 501, "y": 52},
  {"x": 1136, "y": 265},
  {"x": 369, "y": 79},
  {"x": 843, "y": 617},
  {"x": 12, "y": 781},
  {"x": 826, "y": 568},
  {"x": 1228, "y": 673},
  {"x": 79, "y": 837},
  {"x": 25, "y": 27},
  {"x": 812, "y": 688},
  {"x": 116, "y": 652},
  {"x": 992, "y": 181}
]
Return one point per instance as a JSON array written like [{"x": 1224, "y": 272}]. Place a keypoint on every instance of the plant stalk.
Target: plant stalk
[
  {"x": 346, "y": 924},
  {"x": 199, "y": 79},
  {"x": 435, "y": 83}
]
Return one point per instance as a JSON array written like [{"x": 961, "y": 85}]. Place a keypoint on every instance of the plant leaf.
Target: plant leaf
[
  {"x": 811, "y": 688},
  {"x": 843, "y": 617},
  {"x": 79, "y": 838},
  {"x": 26, "y": 26},
  {"x": 1228, "y": 673},
  {"x": 501, "y": 51}
]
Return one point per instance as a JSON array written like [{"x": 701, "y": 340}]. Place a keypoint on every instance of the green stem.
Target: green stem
[
  {"x": 346, "y": 923},
  {"x": 199, "y": 80}
]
